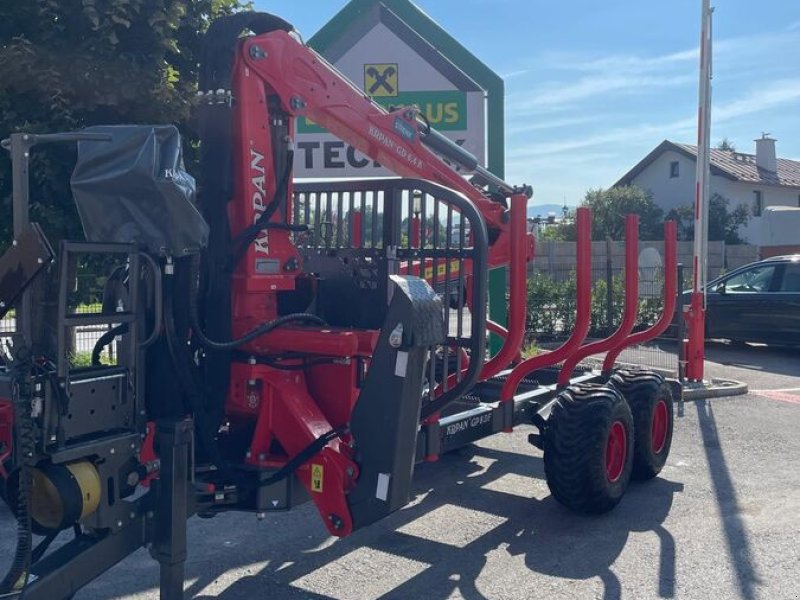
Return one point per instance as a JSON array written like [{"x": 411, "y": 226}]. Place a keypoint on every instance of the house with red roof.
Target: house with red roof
[{"x": 769, "y": 186}]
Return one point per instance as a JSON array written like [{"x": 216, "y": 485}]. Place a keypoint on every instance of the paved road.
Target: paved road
[{"x": 722, "y": 521}]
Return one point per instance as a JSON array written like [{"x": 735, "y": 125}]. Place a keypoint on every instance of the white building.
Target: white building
[{"x": 757, "y": 180}]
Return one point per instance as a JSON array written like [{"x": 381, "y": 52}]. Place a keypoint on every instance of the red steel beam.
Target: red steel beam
[
  {"x": 583, "y": 311},
  {"x": 670, "y": 299},
  {"x": 518, "y": 297},
  {"x": 631, "y": 305}
]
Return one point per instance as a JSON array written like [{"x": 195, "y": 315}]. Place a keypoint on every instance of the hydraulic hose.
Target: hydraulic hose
[
  {"x": 104, "y": 340},
  {"x": 178, "y": 351},
  {"x": 17, "y": 576},
  {"x": 197, "y": 330}
]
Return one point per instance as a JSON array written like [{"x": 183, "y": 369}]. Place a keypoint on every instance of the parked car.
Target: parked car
[{"x": 759, "y": 302}]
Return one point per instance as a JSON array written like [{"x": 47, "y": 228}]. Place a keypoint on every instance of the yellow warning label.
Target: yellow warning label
[
  {"x": 441, "y": 270},
  {"x": 316, "y": 478},
  {"x": 381, "y": 79}
]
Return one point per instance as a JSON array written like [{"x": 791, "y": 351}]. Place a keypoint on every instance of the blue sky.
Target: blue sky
[{"x": 591, "y": 87}]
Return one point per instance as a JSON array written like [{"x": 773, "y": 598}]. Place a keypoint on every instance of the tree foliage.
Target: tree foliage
[
  {"x": 726, "y": 144},
  {"x": 723, "y": 223},
  {"x": 67, "y": 64},
  {"x": 610, "y": 206}
]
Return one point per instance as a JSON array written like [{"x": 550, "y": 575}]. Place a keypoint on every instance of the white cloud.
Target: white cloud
[
  {"x": 759, "y": 99},
  {"x": 756, "y": 100},
  {"x": 610, "y": 76},
  {"x": 557, "y": 95}
]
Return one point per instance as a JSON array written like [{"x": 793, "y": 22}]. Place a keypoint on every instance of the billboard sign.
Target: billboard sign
[{"x": 394, "y": 65}]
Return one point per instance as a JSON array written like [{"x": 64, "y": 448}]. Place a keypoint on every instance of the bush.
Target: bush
[{"x": 552, "y": 303}]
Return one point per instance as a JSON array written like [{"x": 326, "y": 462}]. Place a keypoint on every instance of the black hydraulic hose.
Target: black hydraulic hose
[
  {"x": 246, "y": 237},
  {"x": 178, "y": 354},
  {"x": 197, "y": 329},
  {"x": 17, "y": 576},
  {"x": 254, "y": 333},
  {"x": 104, "y": 340},
  {"x": 302, "y": 457}
]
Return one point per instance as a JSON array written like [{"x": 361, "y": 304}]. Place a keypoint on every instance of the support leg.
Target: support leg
[{"x": 171, "y": 514}]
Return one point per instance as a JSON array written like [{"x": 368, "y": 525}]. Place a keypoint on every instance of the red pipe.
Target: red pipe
[
  {"x": 631, "y": 304},
  {"x": 670, "y": 298},
  {"x": 583, "y": 311},
  {"x": 357, "y": 229},
  {"x": 498, "y": 330},
  {"x": 518, "y": 297}
]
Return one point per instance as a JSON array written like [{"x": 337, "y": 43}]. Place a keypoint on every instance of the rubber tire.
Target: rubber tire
[
  {"x": 575, "y": 439},
  {"x": 642, "y": 390}
]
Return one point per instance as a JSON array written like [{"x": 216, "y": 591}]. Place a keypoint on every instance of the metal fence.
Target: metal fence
[
  {"x": 83, "y": 341},
  {"x": 551, "y": 312}
]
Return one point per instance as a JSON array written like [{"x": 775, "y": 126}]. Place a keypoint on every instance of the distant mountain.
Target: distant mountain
[{"x": 542, "y": 210}]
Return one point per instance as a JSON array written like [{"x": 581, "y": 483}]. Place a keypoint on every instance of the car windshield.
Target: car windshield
[{"x": 751, "y": 281}]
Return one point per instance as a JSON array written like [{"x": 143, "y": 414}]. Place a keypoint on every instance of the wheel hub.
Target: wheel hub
[
  {"x": 659, "y": 426},
  {"x": 616, "y": 451}
]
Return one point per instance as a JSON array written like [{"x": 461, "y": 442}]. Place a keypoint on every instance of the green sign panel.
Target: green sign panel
[{"x": 445, "y": 110}]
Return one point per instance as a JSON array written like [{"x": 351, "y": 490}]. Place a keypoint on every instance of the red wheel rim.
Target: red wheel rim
[
  {"x": 616, "y": 451},
  {"x": 659, "y": 426}
]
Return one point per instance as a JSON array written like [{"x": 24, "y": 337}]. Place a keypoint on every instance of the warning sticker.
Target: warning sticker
[
  {"x": 381, "y": 79},
  {"x": 316, "y": 478}
]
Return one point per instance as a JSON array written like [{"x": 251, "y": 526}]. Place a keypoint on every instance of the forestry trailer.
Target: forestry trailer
[{"x": 275, "y": 341}]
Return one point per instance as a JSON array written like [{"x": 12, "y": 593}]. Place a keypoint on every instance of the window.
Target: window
[
  {"x": 758, "y": 203},
  {"x": 791, "y": 279},
  {"x": 752, "y": 281},
  {"x": 674, "y": 169}
]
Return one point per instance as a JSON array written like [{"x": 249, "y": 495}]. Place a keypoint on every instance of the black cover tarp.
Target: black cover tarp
[{"x": 134, "y": 189}]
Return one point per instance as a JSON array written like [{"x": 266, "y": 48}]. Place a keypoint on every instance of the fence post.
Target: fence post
[
  {"x": 609, "y": 287},
  {"x": 681, "y": 333}
]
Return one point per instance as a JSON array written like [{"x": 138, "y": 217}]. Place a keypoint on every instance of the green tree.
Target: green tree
[
  {"x": 67, "y": 64},
  {"x": 723, "y": 223},
  {"x": 726, "y": 144},
  {"x": 609, "y": 208}
]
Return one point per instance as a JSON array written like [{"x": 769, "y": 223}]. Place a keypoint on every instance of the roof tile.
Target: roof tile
[{"x": 743, "y": 167}]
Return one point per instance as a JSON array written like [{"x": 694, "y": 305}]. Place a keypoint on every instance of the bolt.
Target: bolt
[
  {"x": 119, "y": 523},
  {"x": 350, "y": 471},
  {"x": 15, "y": 243},
  {"x": 336, "y": 521},
  {"x": 257, "y": 52},
  {"x": 297, "y": 103},
  {"x": 2, "y": 304},
  {"x": 261, "y": 516},
  {"x": 133, "y": 515},
  {"x": 133, "y": 446},
  {"x": 112, "y": 451},
  {"x": 40, "y": 261},
  {"x": 262, "y": 457},
  {"x": 248, "y": 455}
]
